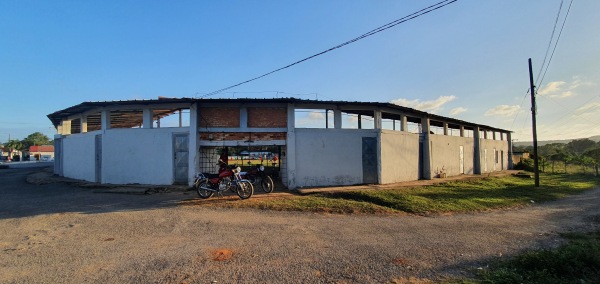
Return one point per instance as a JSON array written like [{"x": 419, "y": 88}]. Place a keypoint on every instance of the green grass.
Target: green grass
[
  {"x": 457, "y": 196},
  {"x": 578, "y": 261}
]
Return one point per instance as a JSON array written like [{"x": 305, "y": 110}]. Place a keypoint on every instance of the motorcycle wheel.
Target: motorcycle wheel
[
  {"x": 252, "y": 179},
  {"x": 202, "y": 191},
  {"x": 267, "y": 184},
  {"x": 245, "y": 189}
]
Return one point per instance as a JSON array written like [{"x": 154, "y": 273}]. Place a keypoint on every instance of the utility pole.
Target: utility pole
[{"x": 535, "y": 144}]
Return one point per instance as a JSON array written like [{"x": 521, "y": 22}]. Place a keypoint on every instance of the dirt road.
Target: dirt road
[{"x": 56, "y": 233}]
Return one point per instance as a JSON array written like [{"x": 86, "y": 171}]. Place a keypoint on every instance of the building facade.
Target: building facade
[{"x": 305, "y": 142}]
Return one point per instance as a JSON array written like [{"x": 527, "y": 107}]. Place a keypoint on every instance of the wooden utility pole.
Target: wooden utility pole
[{"x": 535, "y": 144}]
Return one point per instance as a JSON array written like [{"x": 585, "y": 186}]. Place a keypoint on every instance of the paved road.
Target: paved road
[{"x": 56, "y": 233}]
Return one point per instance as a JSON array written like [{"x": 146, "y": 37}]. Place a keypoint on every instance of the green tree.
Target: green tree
[
  {"x": 594, "y": 154},
  {"x": 35, "y": 138},
  {"x": 13, "y": 145},
  {"x": 579, "y": 146}
]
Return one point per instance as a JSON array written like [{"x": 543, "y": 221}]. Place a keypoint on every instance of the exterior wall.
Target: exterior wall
[
  {"x": 142, "y": 156},
  {"x": 219, "y": 117},
  {"x": 445, "y": 154},
  {"x": 488, "y": 163},
  {"x": 399, "y": 156},
  {"x": 326, "y": 157},
  {"x": 78, "y": 156},
  {"x": 268, "y": 117}
]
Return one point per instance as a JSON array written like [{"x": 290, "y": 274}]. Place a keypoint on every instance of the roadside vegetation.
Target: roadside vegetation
[
  {"x": 456, "y": 196},
  {"x": 577, "y": 261}
]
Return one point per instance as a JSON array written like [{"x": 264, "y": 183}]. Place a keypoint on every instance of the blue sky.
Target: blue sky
[{"x": 467, "y": 60}]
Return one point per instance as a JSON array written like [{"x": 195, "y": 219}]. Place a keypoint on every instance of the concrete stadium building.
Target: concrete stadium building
[{"x": 305, "y": 143}]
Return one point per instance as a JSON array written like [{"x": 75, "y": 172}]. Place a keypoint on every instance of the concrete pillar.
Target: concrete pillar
[
  {"x": 359, "y": 121},
  {"x": 510, "y": 151},
  {"x": 83, "y": 120},
  {"x": 243, "y": 117},
  {"x": 485, "y": 134},
  {"x": 147, "y": 118},
  {"x": 193, "y": 151},
  {"x": 377, "y": 119},
  {"x": 476, "y": 151},
  {"x": 337, "y": 119},
  {"x": 462, "y": 131},
  {"x": 427, "y": 174},
  {"x": 494, "y": 135},
  {"x": 105, "y": 120},
  {"x": 445, "y": 128},
  {"x": 66, "y": 127},
  {"x": 290, "y": 155},
  {"x": 403, "y": 123}
]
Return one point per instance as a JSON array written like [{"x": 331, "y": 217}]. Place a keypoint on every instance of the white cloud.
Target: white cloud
[
  {"x": 457, "y": 110},
  {"x": 503, "y": 110},
  {"x": 562, "y": 89},
  {"x": 429, "y": 106},
  {"x": 313, "y": 115},
  {"x": 591, "y": 107}
]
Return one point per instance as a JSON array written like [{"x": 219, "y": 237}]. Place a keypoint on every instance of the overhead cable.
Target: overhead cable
[{"x": 370, "y": 33}]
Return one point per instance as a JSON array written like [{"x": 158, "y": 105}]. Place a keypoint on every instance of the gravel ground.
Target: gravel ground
[{"x": 61, "y": 233}]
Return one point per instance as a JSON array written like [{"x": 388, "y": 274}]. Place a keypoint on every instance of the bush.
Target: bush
[{"x": 525, "y": 165}]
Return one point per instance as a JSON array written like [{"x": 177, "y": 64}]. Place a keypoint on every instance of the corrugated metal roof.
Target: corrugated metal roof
[{"x": 57, "y": 116}]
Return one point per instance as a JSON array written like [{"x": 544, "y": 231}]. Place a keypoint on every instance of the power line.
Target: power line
[
  {"x": 550, "y": 41},
  {"x": 556, "y": 43},
  {"x": 370, "y": 33}
]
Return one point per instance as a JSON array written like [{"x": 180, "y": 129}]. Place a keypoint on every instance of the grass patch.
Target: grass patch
[
  {"x": 576, "y": 262},
  {"x": 456, "y": 196}
]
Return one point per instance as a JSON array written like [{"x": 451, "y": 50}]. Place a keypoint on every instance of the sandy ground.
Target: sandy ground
[{"x": 63, "y": 233}]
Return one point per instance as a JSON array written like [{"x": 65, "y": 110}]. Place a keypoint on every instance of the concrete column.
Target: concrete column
[
  {"x": 510, "y": 151},
  {"x": 476, "y": 151},
  {"x": 83, "y": 120},
  {"x": 359, "y": 121},
  {"x": 445, "y": 128},
  {"x": 147, "y": 118},
  {"x": 337, "y": 119},
  {"x": 462, "y": 131},
  {"x": 243, "y": 117},
  {"x": 377, "y": 119},
  {"x": 193, "y": 151},
  {"x": 427, "y": 174},
  {"x": 485, "y": 134},
  {"x": 290, "y": 154},
  {"x": 403, "y": 123},
  {"x": 494, "y": 135},
  {"x": 66, "y": 127},
  {"x": 105, "y": 120}
]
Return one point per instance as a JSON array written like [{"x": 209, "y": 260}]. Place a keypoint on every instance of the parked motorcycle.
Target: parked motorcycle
[
  {"x": 257, "y": 176},
  {"x": 228, "y": 178}
]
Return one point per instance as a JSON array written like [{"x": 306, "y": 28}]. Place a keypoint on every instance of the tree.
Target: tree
[
  {"x": 595, "y": 155},
  {"x": 13, "y": 145},
  {"x": 35, "y": 138},
  {"x": 580, "y": 146}
]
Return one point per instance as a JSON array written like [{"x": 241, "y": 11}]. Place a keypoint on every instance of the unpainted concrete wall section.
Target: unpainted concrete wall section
[
  {"x": 326, "y": 157},
  {"x": 399, "y": 156},
  {"x": 79, "y": 156},
  {"x": 142, "y": 156},
  {"x": 488, "y": 162},
  {"x": 445, "y": 154}
]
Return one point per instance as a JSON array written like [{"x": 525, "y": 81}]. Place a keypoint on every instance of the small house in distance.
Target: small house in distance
[
  {"x": 41, "y": 153},
  {"x": 317, "y": 143}
]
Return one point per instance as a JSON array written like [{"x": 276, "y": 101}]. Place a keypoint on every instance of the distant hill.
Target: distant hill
[{"x": 542, "y": 143}]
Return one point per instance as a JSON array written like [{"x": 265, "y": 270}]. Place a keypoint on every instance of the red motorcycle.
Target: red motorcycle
[{"x": 228, "y": 178}]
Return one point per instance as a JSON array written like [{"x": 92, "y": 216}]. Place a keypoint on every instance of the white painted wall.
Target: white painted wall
[
  {"x": 490, "y": 145},
  {"x": 445, "y": 153},
  {"x": 399, "y": 156},
  {"x": 79, "y": 160},
  {"x": 329, "y": 156},
  {"x": 138, "y": 155}
]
